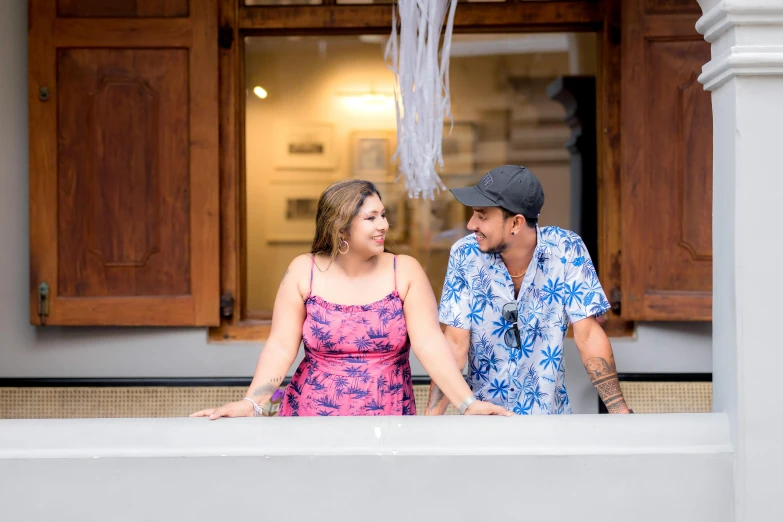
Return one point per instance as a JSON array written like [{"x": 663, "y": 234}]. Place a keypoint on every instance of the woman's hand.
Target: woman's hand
[
  {"x": 232, "y": 409},
  {"x": 486, "y": 408}
]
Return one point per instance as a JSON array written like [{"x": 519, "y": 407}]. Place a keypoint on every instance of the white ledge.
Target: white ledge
[{"x": 386, "y": 436}]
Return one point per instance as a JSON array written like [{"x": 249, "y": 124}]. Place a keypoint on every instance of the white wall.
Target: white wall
[
  {"x": 168, "y": 352},
  {"x": 644, "y": 468}
]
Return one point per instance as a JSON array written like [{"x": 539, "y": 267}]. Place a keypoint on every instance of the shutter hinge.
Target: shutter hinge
[
  {"x": 227, "y": 305},
  {"x": 615, "y": 34},
  {"x": 43, "y": 302},
  {"x": 225, "y": 37},
  {"x": 616, "y": 297}
]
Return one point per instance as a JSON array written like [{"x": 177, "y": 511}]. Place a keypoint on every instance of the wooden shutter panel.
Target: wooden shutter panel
[
  {"x": 667, "y": 164},
  {"x": 124, "y": 180}
]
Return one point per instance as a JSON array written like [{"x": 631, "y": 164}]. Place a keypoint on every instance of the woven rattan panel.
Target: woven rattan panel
[
  {"x": 126, "y": 402},
  {"x": 103, "y": 402},
  {"x": 668, "y": 397},
  {"x": 421, "y": 393}
]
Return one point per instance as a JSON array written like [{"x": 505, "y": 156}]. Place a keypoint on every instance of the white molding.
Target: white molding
[
  {"x": 742, "y": 61},
  {"x": 739, "y": 31},
  {"x": 724, "y": 16}
]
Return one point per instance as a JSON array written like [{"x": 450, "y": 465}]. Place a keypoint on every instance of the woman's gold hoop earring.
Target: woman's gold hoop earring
[{"x": 340, "y": 246}]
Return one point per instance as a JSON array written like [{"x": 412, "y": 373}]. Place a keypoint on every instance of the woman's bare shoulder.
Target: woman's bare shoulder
[
  {"x": 408, "y": 264},
  {"x": 409, "y": 271},
  {"x": 300, "y": 264},
  {"x": 299, "y": 271}
]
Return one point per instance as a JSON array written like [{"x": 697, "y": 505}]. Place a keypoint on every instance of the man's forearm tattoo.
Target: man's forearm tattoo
[
  {"x": 266, "y": 389},
  {"x": 604, "y": 377},
  {"x": 436, "y": 396}
]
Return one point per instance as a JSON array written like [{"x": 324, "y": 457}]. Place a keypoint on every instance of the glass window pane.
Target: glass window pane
[{"x": 320, "y": 109}]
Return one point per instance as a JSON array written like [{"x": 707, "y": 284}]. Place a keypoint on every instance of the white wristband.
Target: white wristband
[{"x": 257, "y": 410}]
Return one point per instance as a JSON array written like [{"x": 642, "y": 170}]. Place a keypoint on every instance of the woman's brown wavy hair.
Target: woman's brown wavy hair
[{"x": 337, "y": 207}]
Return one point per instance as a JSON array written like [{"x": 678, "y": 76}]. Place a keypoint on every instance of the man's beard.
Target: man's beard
[{"x": 499, "y": 249}]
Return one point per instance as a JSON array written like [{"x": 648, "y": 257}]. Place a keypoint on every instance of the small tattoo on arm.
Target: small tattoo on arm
[
  {"x": 436, "y": 396},
  {"x": 597, "y": 367},
  {"x": 284, "y": 276},
  {"x": 267, "y": 389}
]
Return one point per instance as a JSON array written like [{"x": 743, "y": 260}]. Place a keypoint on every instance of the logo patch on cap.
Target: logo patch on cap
[{"x": 487, "y": 180}]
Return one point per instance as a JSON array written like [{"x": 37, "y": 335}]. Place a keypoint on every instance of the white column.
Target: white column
[{"x": 745, "y": 76}]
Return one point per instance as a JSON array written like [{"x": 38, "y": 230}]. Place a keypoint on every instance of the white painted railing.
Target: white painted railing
[{"x": 579, "y": 467}]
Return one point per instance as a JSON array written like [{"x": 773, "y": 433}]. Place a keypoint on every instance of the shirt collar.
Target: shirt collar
[{"x": 541, "y": 246}]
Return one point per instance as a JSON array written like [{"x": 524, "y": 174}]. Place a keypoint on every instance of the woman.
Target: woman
[{"x": 358, "y": 308}]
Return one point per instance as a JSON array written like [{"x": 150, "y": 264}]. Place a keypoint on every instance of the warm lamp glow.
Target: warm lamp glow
[
  {"x": 259, "y": 91},
  {"x": 364, "y": 100},
  {"x": 376, "y": 99}
]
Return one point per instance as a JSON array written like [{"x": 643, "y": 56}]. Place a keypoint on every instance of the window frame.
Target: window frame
[{"x": 236, "y": 21}]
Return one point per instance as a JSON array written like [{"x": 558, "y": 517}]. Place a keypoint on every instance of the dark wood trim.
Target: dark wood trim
[
  {"x": 579, "y": 15},
  {"x": 127, "y": 32},
  {"x": 609, "y": 168},
  {"x": 231, "y": 147},
  {"x": 657, "y": 377},
  {"x": 242, "y": 181},
  {"x": 230, "y": 155},
  {"x": 668, "y": 24},
  {"x": 522, "y": 16},
  {"x": 42, "y": 153},
  {"x": 241, "y": 331}
]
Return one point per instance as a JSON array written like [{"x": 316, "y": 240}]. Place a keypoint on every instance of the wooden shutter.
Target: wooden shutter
[
  {"x": 124, "y": 180},
  {"x": 667, "y": 164}
]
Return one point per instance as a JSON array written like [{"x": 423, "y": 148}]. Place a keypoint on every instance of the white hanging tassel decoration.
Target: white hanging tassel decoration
[{"x": 421, "y": 90}]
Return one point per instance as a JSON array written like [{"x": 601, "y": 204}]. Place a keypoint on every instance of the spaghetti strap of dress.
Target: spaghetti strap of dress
[
  {"x": 395, "y": 273},
  {"x": 312, "y": 265}
]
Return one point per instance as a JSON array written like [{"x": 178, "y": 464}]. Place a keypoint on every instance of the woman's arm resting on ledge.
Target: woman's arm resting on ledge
[
  {"x": 459, "y": 340},
  {"x": 279, "y": 350}
]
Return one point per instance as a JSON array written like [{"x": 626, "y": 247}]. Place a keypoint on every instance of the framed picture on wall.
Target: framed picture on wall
[
  {"x": 371, "y": 155},
  {"x": 304, "y": 146},
  {"x": 395, "y": 201},
  {"x": 290, "y": 212}
]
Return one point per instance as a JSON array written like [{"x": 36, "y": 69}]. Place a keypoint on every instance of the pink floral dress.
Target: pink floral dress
[{"x": 356, "y": 360}]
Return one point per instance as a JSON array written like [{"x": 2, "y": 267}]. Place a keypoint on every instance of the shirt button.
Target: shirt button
[{"x": 512, "y": 389}]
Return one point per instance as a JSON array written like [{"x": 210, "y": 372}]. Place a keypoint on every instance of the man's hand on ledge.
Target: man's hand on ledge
[{"x": 241, "y": 408}]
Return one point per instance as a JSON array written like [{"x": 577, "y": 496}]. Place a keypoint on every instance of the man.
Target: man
[{"x": 511, "y": 291}]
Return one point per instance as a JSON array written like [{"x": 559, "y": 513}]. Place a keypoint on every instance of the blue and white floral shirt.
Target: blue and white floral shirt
[{"x": 560, "y": 287}]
